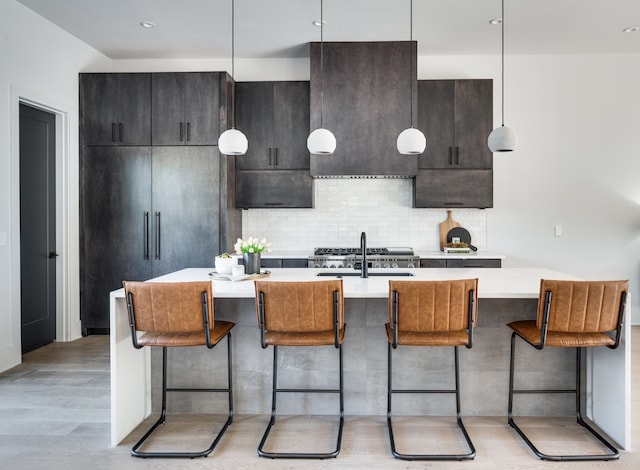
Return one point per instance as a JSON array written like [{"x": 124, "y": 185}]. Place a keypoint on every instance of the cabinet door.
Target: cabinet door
[
  {"x": 291, "y": 120},
  {"x": 186, "y": 208},
  {"x": 473, "y": 123},
  {"x": 98, "y": 108},
  {"x": 436, "y": 111},
  {"x": 134, "y": 109},
  {"x": 274, "y": 189},
  {"x": 116, "y": 200},
  {"x": 202, "y": 108},
  {"x": 254, "y": 117},
  {"x": 167, "y": 101},
  {"x": 453, "y": 188}
]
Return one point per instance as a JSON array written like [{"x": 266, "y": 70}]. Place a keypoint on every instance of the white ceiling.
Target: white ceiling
[{"x": 283, "y": 28}]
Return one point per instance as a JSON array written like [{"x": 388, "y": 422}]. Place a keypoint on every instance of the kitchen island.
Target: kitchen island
[{"x": 505, "y": 295}]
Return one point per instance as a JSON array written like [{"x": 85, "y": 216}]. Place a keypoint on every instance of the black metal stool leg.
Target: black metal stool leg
[
  {"x": 390, "y": 391},
  {"x": 613, "y": 452},
  {"x": 272, "y": 419},
  {"x": 229, "y": 390}
]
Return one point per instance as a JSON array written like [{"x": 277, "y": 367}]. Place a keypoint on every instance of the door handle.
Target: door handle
[
  {"x": 157, "y": 235},
  {"x": 270, "y": 157},
  {"x": 145, "y": 231},
  {"x": 120, "y": 128},
  {"x": 113, "y": 132},
  {"x": 53, "y": 255},
  {"x": 276, "y": 157},
  {"x": 188, "y": 131},
  {"x": 457, "y": 155},
  {"x": 450, "y": 155},
  {"x": 181, "y": 132}
]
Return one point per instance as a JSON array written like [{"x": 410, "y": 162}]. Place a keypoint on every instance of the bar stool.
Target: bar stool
[
  {"x": 571, "y": 314},
  {"x": 179, "y": 314},
  {"x": 301, "y": 314},
  {"x": 431, "y": 313}
]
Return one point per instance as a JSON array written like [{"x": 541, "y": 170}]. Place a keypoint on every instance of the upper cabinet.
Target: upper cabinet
[
  {"x": 186, "y": 108},
  {"x": 275, "y": 118},
  {"x": 455, "y": 170},
  {"x": 365, "y": 91},
  {"x": 116, "y": 108},
  {"x": 456, "y": 117}
]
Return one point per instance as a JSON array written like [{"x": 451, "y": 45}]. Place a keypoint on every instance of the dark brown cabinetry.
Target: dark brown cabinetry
[
  {"x": 149, "y": 210},
  {"x": 186, "y": 108},
  {"x": 456, "y": 117},
  {"x": 460, "y": 263},
  {"x": 367, "y": 103},
  {"x": 276, "y": 117},
  {"x": 275, "y": 170},
  {"x": 116, "y": 110}
]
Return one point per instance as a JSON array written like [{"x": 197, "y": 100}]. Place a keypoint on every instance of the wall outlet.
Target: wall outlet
[{"x": 557, "y": 230}]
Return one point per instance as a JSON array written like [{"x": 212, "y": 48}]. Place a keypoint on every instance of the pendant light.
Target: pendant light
[
  {"x": 502, "y": 139},
  {"x": 232, "y": 141},
  {"x": 321, "y": 141},
  {"x": 411, "y": 141}
]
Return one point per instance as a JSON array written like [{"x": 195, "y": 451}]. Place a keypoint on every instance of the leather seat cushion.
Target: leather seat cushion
[
  {"x": 304, "y": 338},
  {"x": 195, "y": 338},
  {"x": 528, "y": 330},
  {"x": 430, "y": 338}
]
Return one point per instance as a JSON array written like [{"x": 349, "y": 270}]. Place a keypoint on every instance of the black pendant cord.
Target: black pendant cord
[
  {"x": 321, "y": 62},
  {"x": 411, "y": 64},
  {"x": 502, "y": 28},
  {"x": 233, "y": 51}
]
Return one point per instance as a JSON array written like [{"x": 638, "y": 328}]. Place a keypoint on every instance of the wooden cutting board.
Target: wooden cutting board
[{"x": 445, "y": 226}]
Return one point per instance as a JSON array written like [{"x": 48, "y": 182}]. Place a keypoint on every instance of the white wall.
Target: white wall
[
  {"x": 576, "y": 165},
  {"x": 39, "y": 63}
]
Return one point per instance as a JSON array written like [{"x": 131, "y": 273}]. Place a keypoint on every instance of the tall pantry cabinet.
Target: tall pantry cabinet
[{"x": 151, "y": 203}]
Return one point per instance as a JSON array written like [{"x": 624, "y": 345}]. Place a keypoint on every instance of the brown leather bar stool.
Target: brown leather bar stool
[
  {"x": 301, "y": 314},
  {"x": 571, "y": 314},
  {"x": 431, "y": 313},
  {"x": 177, "y": 314}
]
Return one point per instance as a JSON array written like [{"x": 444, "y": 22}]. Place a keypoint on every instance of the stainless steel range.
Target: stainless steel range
[{"x": 352, "y": 258}]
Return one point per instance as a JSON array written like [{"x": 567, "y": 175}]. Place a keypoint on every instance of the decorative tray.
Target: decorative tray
[{"x": 242, "y": 277}]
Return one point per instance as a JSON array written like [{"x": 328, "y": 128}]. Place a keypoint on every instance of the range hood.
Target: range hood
[{"x": 367, "y": 101}]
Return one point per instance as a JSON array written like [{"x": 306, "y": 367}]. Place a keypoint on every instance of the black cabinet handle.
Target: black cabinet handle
[
  {"x": 276, "y": 157},
  {"x": 181, "y": 132},
  {"x": 453, "y": 203},
  {"x": 450, "y": 155},
  {"x": 457, "y": 155},
  {"x": 270, "y": 158},
  {"x": 188, "y": 131},
  {"x": 113, "y": 132},
  {"x": 53, "y": 255},
  {"x": 158, "y": 238},
  {"x": 120, "y": 128},
  {"x": 145, "y": 232},
  {"x": 274, "y": 204}
]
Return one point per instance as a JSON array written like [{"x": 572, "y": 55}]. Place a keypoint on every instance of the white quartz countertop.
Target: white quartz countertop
[{"x": 516, "y": 283}]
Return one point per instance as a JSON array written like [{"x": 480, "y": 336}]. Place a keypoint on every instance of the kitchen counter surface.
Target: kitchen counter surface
[
  {"x": 506, "y": 294},
  {"x": 503, "y": 283}
]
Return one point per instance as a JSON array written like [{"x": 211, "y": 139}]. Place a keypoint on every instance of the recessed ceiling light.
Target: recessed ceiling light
[
  {"x": 631, "y": 29},
  {"x": 495, "y": 21},
  {"x": 147, "y": 24},
  {"x": 319, "y": 23}
]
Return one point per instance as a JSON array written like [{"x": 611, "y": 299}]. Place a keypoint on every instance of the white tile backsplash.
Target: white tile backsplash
[{"x": 346, "y": 207}]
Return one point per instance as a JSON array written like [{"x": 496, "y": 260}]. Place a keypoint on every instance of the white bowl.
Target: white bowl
[{"x": 224, "y": 265}]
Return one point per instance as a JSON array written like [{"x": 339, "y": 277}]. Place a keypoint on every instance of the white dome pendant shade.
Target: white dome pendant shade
[
  {"x": 321, "y": 142},
  {"x": 502, "y": 139},
  {"x": 411, "y": 141},
  {"x": 233, "y": 142}
]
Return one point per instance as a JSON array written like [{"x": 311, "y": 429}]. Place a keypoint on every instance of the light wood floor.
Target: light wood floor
[{"x": 54, "y": 414}]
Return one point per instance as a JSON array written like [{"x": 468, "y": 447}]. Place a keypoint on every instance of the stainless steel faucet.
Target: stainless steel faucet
[{"x": 363, "y": 249}]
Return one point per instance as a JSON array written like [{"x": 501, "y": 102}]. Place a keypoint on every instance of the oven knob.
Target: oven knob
[
  {"x": 339, "y": 265},
  {"x": 394, "y": 265},
  {"x": 386, "y": 265},
  {"x": 376, "y": 265},
  {"x": 324, "y": 265},
  {"x": 332, "y": 266},
  {"x": 349, "y": 265},
  {"x": 410, "y": 265}
]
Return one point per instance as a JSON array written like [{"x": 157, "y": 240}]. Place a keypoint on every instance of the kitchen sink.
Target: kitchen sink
[{"x": 371, "y": 274}]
